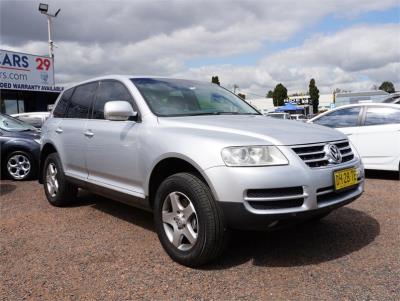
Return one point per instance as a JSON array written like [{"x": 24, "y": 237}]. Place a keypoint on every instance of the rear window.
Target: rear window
[
  {"x": 81, "y": 101},
  {"x": 382, "y": 115},
  {"x": 59, "y": 110}
]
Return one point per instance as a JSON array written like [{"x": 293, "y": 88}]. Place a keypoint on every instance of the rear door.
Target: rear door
[
  {"x": 112, "y": 148},
  {"x": 378, "y": 140},
  {"x": 72, "y": 130}
]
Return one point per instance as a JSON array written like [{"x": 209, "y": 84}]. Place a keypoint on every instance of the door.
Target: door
[
  {"x": 378, "y": 140},
  {"x": 112, "y": 150},
  {"x": 346, "y": 120},
  {"x": 71, "y": 130}
]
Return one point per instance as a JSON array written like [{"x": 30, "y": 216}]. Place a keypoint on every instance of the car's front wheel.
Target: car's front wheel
[
  {"x": 188, "y": 221},
  {"x": 58, "y": 190},
  {"x": 20, "y": 166}
]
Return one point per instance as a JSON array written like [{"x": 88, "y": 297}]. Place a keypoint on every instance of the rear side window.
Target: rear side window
[
  {"x": 109, "y": 91},
  {"x": 381, "y": 115},
  {"x": 341, "y": 118},
  {"x": 81, "y": 101},
  {"x": 59, "y": 110}
]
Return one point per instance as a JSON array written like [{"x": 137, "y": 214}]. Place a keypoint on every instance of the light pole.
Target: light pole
[{"x": 44, "y": 9}]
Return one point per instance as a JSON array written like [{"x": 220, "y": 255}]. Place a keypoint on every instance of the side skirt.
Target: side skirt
[{"x": 131, "y": 200}]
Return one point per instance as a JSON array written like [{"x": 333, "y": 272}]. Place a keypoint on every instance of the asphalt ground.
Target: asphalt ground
[{"x": 99, "y": 249}]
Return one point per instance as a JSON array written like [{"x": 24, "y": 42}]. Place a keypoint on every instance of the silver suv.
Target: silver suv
[{"x": 197, "y": 156}]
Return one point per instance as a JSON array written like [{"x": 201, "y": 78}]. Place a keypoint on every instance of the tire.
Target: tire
[
  {"x": 58, "y": 190},
  {"x": 203, "y": 221},
  {"x": 20, "y": 166}
]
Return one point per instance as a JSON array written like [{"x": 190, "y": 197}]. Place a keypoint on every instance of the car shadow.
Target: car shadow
[
  {"x": 122, "y": 211},
  {"x": 6, "y": 188},
  {"x": 381, "y": 174},
  {"x": 341, "y": 233}
]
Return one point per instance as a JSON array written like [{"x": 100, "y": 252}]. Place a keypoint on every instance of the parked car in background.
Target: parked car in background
[
  {"x": 197, "y": 155},
  {"x": 298, "y": 117},
  {"x": 279, "y": 115},
  {"x": 374, "y": 129},
  {"x": 19, "y": 148},
  {"x": 35, "y": 119},
  {"x": 393, "y": 98}
]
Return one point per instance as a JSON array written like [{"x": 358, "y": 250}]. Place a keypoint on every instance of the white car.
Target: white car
[
  {"x": 374, "y": 129},
  {"x": 279, "y": 115},
  {"x": 33, "y": 118},
  {"x": 298, "y": 117}
]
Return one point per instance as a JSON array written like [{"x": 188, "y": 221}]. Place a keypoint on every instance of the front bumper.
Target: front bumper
[{"x": 256, "y": 197}]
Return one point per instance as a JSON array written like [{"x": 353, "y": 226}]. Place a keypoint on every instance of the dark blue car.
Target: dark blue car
[{"x": 19, "y": 148}]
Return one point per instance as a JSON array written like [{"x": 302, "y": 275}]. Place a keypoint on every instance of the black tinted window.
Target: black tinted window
[
  {"x": 81, "y": 100},
  {"x": 59, "y": 110},
  {"x": 109, "y": 91},
  {"x": 340, "y": 118},
  {"x": 381, "y": 115}
]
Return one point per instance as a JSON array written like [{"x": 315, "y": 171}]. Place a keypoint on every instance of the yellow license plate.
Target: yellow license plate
[{"x": 345, "y": 178}]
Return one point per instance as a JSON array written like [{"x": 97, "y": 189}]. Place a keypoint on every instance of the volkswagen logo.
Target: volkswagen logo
[{"x": 333, "y": 154}]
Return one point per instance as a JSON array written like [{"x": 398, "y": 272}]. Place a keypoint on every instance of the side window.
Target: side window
[
  {"x": 109, "y": 91},
  {"x": 382, "y": 115},
  {"x": 340, "y": 118},
  {"x": 81, "y": 101},
  {"x": 59, "y": 110}
]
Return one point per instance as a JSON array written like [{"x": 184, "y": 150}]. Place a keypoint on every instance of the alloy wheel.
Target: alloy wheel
[
  {"x": 51, "y": 179},
  {"x": 18, "y": 166},
  {"x": 180, "y": 221}
]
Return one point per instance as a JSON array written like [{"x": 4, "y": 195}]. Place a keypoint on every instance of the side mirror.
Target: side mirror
[{"x": 118, "y": 110}]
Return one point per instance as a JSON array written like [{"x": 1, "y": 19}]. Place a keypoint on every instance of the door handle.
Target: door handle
[
  {"x": 59, "y": 130},
  {"x": 89, "y": 134}
]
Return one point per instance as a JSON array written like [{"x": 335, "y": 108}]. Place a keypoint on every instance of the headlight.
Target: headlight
[
  {"x": 253, "y": 156},
  {"x": 37, "y": 140}
]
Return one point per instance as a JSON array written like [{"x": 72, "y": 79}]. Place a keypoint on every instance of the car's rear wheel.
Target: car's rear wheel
[
  {"x": 58, "y": 190},
  {"x": 20, "y": 166},
  {"x": 188, "y": 221}
]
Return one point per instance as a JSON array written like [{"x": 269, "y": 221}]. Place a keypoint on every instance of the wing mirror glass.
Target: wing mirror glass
[{"x": 119, "y": 110}]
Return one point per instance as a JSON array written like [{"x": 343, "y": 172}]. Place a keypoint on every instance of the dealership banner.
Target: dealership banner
[{"x": 21, "y": 71}]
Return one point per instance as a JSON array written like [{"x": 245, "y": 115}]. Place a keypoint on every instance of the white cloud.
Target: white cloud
[{"x": 158, "y": 37}]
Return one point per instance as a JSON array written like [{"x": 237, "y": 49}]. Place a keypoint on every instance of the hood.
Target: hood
[{"x": 276, "y": 131}]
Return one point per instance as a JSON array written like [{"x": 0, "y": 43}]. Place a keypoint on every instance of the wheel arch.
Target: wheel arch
[
  {"x": 168, "y": 166},
  {"x": 46, "y": 150}
]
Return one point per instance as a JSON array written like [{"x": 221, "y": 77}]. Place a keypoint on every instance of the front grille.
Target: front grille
[
  {"x": 328, "y": 194},
  {"x": 275, "y": 198},
  {"x": 314, "y": 155}
]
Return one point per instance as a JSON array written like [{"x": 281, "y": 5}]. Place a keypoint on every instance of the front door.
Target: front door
[{"x": 112, "y": 159}]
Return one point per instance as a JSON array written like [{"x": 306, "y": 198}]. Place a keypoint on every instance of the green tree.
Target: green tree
[
  {"x": 270, "y": 94},
  {"x": 242, "y": 96},
  {"x": 387, "y": 86},
  {"x": 279, "y": 95},
  {"x": 215, "y": 80},
  {"x": 314, "y": 95}
]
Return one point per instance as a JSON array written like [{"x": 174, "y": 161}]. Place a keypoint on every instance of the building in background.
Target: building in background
[
  {"x": 355, "y": 97},
  {"x": 26, "y": 82}
]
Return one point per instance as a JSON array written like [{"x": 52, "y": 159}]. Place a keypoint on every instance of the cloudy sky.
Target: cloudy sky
[{"x": 346, "y": 44}]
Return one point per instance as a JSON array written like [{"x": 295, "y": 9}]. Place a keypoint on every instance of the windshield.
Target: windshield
[
  {"x": 11, "y": 124},
  {"x": 173, "y": 97}
]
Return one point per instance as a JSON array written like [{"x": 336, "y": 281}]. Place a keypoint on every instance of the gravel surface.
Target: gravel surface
[{"x": 103, "y": 250}]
